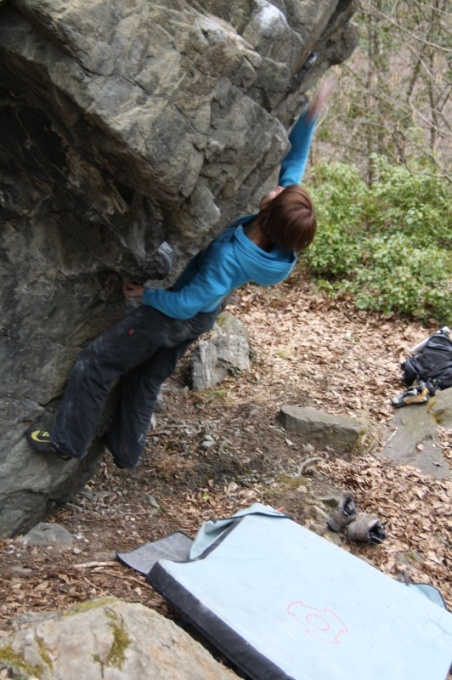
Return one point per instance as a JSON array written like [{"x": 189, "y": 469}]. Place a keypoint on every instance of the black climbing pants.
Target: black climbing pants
[{"x": 142, "y": 350}]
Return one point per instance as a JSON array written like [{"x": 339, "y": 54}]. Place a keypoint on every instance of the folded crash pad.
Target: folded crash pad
[
  {"x": 175, "y": 547},
  {"x": 285, "y": 604}
]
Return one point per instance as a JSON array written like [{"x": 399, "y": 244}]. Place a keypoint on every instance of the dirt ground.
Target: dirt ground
[{"x": 215, "y": 452}]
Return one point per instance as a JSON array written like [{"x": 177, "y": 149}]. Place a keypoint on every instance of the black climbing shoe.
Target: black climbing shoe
[{"x": 39, "y": 440}]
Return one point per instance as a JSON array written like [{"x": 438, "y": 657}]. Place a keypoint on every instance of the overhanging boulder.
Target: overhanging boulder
[{"x": 125, "y": 125}]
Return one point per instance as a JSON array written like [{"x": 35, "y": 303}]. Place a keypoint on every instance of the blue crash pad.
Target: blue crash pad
[{"x": 285, "y": 604}]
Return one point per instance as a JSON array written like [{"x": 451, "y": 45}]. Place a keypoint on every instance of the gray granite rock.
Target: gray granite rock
[
  {"x": 110, "y": 639},
  {"x": 415, "y": 439},
  {"x": 45, "y": 533},
  {"x": 340, "y": 434},
  {"x": 125, "y": 125},
  {"x": 225, "y": 352}
]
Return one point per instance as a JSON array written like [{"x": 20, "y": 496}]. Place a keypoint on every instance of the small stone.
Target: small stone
[
  {"x": 331, "y": 501},
  {"x": 21, "y": 571},
  {"x": 45, "y": 534},
  {"x": 152, "y": 501},
  {"x": 318, "y": 513}
]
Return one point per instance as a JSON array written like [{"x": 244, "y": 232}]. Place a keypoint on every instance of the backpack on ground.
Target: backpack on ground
[{"x": 433, "y": 363}]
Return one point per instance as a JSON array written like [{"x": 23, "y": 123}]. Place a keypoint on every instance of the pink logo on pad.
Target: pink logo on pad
[{"x": 322, "y": 624}]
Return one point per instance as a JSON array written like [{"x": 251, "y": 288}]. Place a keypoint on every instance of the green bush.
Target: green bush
[
  {"x": 388, "y": 245},
  {"x": 418, "y": 204}
]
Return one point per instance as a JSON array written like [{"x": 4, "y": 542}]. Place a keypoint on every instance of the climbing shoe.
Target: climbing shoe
[
  {"x": 366, "y": 529},
  {"x": 417, "y": 394},
  {"x": 343, "y": 514},
  {"x": 40, "y": 441}
]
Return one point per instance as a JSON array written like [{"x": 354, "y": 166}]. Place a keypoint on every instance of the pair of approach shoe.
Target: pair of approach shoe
[{"x": 361, "y": 528}]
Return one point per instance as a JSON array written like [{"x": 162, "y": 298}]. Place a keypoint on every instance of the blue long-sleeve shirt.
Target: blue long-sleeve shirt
[{"x": 232, "y": 259}]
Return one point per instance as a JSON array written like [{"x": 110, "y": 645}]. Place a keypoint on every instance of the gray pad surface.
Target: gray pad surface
[
  {"x": 285, "y": 604},
  {"x": 175, "y": 547}
]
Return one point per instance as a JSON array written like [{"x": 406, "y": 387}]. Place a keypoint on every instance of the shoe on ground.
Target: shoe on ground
[
  {"x": 418, "y": 394},
  {"x": 366, "y": 529},
  {"x": 343, "y": 514},
  {"x": 40, "y": 441}
]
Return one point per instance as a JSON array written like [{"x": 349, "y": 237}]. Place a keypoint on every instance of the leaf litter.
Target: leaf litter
[{"x": 307, "y": 350}]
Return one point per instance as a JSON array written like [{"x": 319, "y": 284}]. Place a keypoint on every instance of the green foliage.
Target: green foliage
[
  {"x": 418, "y": 204},
  {"x": 387, "y": 245}
]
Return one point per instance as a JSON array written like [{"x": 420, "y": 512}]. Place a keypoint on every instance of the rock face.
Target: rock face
[
  {"x": 112, "y": 641},
  {"x": 123, "y": 125}
]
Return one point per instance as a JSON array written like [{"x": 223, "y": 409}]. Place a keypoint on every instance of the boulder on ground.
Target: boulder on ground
[
  {"x": 109, "y": 640},
  {"x": 225, "y": 352},
  {"x": 340, "y": 434}
]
